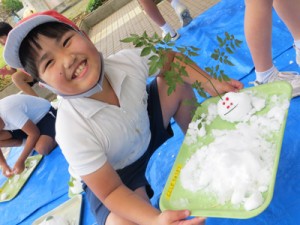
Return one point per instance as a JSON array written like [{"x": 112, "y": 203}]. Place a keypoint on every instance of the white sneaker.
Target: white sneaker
[
  {"x": 174, "y": 38},
  {"x": 292, "y": 77},
  {"x": 184, "y": 15},
  {"x": 297, "y": 55}
]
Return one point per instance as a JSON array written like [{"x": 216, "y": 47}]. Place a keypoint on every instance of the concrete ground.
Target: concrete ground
[{"x": 131, "y": 19}]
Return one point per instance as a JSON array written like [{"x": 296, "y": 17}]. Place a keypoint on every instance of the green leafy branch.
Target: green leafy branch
[{"x": 158, "y": 47}]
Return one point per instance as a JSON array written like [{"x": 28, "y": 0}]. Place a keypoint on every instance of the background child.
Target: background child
[
  {"x": 153, "y": 12},
  {"x": 22, "y": 80},
  {"x": 109, "y": 122},
  {"x": 29, "y": 118}
]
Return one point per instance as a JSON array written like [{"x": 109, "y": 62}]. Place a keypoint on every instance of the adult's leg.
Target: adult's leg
[{"x": 258, "y": 32}]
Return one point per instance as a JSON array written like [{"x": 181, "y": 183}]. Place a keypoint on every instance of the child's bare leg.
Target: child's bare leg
[
  {"x": 45, "y": 145},
  {"x": 289, "y": 12},
  {"x": 113, "y": 219},
  {"x": 258, "y": 32},
  {"x": 153, "y": 12},
  {"x": 176, "y": 105},
  {"x": 6, "y": 140}
]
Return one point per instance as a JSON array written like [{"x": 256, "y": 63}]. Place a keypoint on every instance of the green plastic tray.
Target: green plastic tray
[
  {"x": 174, "y": 196},
  {"x": 12, "y": 187},
  {"x": 70, "y": 210}
]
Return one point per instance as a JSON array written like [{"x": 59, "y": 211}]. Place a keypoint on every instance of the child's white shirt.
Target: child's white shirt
[
  {"x": 16, "y": 110},
  {"x": 91, "y": 132}
]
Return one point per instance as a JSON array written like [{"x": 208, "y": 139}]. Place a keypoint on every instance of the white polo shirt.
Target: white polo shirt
[
  {"x": 91, "y": 132},
  {"x": 16, "y": 110}
]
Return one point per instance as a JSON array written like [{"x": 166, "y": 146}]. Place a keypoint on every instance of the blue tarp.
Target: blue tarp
[{"x": 48, "y": 186}]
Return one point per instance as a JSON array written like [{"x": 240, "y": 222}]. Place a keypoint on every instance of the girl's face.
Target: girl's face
[
  {"x": 3, "y": 40},
  {"x": 70, "y": 64}
]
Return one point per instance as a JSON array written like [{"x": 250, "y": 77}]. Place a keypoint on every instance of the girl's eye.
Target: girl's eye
[
  {"x": 66, "y": 41},
  {"x": 48, "y": 63}
]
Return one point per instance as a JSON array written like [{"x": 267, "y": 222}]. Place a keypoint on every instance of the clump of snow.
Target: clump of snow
[
  {"x": 237, "y": 165},
  {"x": 4, "y": 196},
  {"x": 75, "y": 186},
  {"x": 234, "y": 106},
  {"x": 55, "y": 220}
]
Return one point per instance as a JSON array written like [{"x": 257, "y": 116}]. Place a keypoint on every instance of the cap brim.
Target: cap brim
[{"x": 17, "y": 35}]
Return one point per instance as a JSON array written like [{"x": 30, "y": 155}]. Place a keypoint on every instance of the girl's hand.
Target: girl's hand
[
  {"x": 6, "y": 171},
  {"x": 19, "y": 167},
  {"x": 178, "y": 217},
  {"x": 222, "y": 87}
]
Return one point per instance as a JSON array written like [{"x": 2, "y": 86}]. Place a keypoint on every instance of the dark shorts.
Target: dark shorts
[
  {"x": 133, "y": 176},
  {"x": 46, "y": 126}
]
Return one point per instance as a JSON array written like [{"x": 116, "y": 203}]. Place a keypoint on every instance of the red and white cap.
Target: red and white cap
[{"x": 20, "y": 31}]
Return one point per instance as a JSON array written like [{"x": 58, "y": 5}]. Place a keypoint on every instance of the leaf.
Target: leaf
[
  {"x": 237, "y": 42},
  {"x": 139, "y": 44},
  {"x": 227, "y": 35},
  {"x": 191, "y": 53},
  {"x": 70, "y": 183},
  {"x": 220, "y": 40},
  {"x": 152, "y": 69},
  {"x": 208, "y": 69},
  {"x": 154, "y": 58},
  {"x": 167, "y": 38},
  {"x": 214, "y": 56},
  {"x": 128, "y": 39},
  {"x": 228, "y": 62},
  {"x": 181, "y": 49},
  {"x": 146, "y": 51},
  {"x": 229, "y": 50},
  {"x": 195, "y": 49}
]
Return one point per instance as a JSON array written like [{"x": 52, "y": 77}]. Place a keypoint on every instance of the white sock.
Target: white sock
[
  {"x": 176, "y": 3},
  {"x": 297, "y": 44},
  {"x": 262, "y": 77},
  {"x": 166, "y": 28}
]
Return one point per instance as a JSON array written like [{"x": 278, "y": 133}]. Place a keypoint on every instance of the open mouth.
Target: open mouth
[{"x": 80, "y": 71}]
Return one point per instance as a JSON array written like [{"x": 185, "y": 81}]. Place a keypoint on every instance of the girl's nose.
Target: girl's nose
[{"x": 69, "y": 61}]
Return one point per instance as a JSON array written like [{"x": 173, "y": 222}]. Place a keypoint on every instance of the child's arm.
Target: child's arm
[
  {"x": 33, "y": 134},
  {"x": 6, "y": 171},
  {"x": 107, "y": 186},
  {"x": 197, "y": 74}
]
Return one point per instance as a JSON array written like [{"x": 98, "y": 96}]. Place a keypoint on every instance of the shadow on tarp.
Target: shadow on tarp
[{"x": 48, "y": 186}]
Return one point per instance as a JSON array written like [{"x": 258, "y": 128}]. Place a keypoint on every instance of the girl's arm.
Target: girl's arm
[
  {"x": 33, "y": 134},
  {"x": 6, "y": 171},
  {"x": 107, "y": 186}
]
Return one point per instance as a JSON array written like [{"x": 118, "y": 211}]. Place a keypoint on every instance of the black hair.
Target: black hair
[
  {"x": 5, "y": 28},
  {"x": 27, "y": 50}
]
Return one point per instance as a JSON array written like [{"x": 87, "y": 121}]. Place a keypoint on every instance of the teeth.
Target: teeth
[{"x": 79, "y": 69}]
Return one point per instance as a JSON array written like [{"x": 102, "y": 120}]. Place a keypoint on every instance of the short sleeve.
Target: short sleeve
[{"x": 84, "y": 153}]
